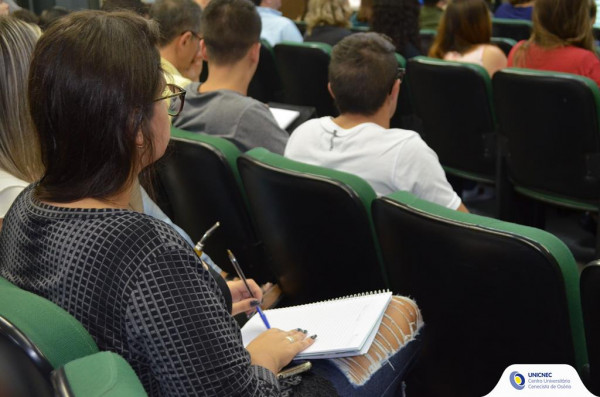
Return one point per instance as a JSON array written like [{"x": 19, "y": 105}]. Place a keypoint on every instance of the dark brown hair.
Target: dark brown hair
[
  {"x": 175, "y": 17},
  {"x": 363, "y": 67},
  {"x": 229, "y": 29},
  {"x": 465, "y": 24},
  {"x": 92, "y": 84},
  {"x": 399, "y": 20},
  {"x": 558, "y": 23}
]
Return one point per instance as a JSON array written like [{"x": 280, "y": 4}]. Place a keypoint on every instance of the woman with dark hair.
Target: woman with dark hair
[
  {"x": 464, "y": 35},
  {"x": 399, "y": 20},
  {"x": 561, "y": 41},
  {"x": 515, "y": 9},
  {"x": 132, "y": 280}
]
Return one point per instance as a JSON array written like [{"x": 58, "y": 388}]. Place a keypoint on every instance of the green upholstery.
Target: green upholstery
[
  {"x": 590, "y": 301},
  {"x": 104, "y": 374},
  {"x": 199, "y": 185},
  {"x": 427, "y": 37},
  {"x": 315, "y": 224},
  {"x": 303, "y": 68},
  {"x": 5, "y": 283},
  {"x": 491, "y": 293},
  {"x": 454, "y": 102},
  {"x": 57, "y": 334},
  {"x": 504, "y": 43}
]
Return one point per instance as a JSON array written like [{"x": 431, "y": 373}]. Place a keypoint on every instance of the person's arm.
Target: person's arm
[
  {"x": 177, "y": 324},
  {"x": 493, "y": 59},
  {"x": 257, "y": 128}
]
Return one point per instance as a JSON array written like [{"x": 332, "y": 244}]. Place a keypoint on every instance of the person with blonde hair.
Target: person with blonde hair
[
  {"x": 20, "y": 162},
  {"x": 327, "y": 21},
  {"x": 561, "y": 41},
  {"x": 464, "y": 35}
]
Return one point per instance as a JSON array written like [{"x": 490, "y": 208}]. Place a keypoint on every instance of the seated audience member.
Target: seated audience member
[
  {"x": 219, "y": 106},
  {"x": 26, "y": 16},
  {"x": 20, "y": 162},
  {"x": 8, "y": 6},
  {"x": 360, "y": 140},
  {"x": 275, "y": 27},
  {"x": 515, "y": 9},
  {"x": 399, "y": 20},
  {"x": 130, "y": 279},
  {"x": 123, "y": 5},
  {"x": 179, "y": 44},
  {"x": 431, "y": 13},
  {"x": 327, "y": 21},
  {"x": 464, "y": 35},
  {"x": 362, "y": 18},
  {"x": 561, "y": 41},
  {"x": 49, "y": 16}
]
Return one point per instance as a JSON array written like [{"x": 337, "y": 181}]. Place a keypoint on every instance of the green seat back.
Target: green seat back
[
  {"x": 303, "y": 68},
  {"x": 315, "y": 224},
  {"x": 516, "y": 29},
  {"x": 5, "y": 283},
  {"x": 454, "y": 102},
  {"x": 57, "y": 335},
  {"x": 491, "y": 294},
  {"x": 550, "y": 133},
  {"x": 590, "y": 301},
  {"x": 198, "y": 186},
  {"x": 103, "y": 374},
  {"x": 504, "y": 43},
  {"x": 265, "y": 85}
]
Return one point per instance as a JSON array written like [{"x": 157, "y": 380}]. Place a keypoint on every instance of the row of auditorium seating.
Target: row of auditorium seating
[
  {"x": 489, "y": 291},
  {"x": 44, "y": 351}
]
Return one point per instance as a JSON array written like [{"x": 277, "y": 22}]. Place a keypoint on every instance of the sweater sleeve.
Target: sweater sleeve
[
  {"x": 258, "y": 128},
  {"x": 177, "y": 325}
]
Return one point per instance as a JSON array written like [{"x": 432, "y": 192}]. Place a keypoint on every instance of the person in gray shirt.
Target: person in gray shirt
[{"x": 220, "y": 106}]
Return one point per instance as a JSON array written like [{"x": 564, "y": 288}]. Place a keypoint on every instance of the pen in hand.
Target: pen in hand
[{"x": 241, "y": 275}]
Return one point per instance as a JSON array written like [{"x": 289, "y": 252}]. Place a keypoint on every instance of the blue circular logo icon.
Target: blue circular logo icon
[{"x": 517, "y": 380}]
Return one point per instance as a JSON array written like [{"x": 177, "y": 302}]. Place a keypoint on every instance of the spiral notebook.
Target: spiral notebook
[{"x": 344, "y": 327}]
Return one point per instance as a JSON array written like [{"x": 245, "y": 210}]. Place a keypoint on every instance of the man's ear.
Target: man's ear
[
  {"x": 392, "y": 98},
  {"x": 203, "y": 50},
  {"x": 255, "y": 52},
  {"x": 330, "y": 91},
  {"x": 184, "y": 39}
]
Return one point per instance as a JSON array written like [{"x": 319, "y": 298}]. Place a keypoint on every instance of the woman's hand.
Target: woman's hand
[
  {"x": 274, "y": 348},
  {"x": 242, "y": 301}
]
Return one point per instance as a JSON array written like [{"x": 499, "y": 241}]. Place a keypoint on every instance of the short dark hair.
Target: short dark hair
[
  {"x": 126, "y": 5},
  {"x": 50, "y": 15},
  {"x": 257, "y": 2},
  {"x": 93, "y": 80},
  {"x": 229, "y": 29},
  {"x": 175, "y": 17},
  {"x": 362, "y": 70}
]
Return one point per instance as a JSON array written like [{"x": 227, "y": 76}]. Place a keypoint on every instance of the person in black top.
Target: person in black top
[{"x": 398, "y": 19}]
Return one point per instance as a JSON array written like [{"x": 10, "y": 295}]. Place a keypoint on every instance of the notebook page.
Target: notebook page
[
  {"x": 284, "y": 117},
  {"x": 342, "y": 326}
]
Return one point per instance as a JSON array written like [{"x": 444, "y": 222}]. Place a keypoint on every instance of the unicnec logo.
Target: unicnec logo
[{"x": 517, "y": 380}]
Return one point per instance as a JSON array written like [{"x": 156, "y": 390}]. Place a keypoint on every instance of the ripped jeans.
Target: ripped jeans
[{"x": 382, "y": 369}]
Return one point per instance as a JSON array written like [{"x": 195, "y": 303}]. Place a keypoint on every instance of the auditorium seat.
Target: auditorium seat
[
  {"x": 549, "y": 133},
  {"x": 104, "y": 374},
  {"x": 316, "y": 227},
  {"x": 454, "y": 102},
  {"x": 504, "y": 43},
  {"x": 491, "y": 294},
  {"x": 590, "y": 302},
  {"x": 265, "y": 85},
  {"x": 303, "y": 70},
  {"x": 198, "y": 185},
  {"x": 516, "y": 29},
  {"x": 427, "y": 37}
]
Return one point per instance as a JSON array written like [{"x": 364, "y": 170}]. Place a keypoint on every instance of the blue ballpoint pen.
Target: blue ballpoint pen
[{"x": 241, "y": 275}]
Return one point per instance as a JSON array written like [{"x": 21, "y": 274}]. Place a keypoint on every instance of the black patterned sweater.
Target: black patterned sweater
[{"x": 139, "y": 289}]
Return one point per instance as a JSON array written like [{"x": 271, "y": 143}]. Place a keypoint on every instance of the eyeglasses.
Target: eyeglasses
[
  {"x": 176, "y": 97},
  {"x": 196, "y": 35}
]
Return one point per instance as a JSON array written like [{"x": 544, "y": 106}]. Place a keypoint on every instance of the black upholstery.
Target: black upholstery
[
  {"x": 490, "y": 297},
  {"x": 590, "y": 302},
  {"x": 303, "y": 71},
  {"x": 515, "y": 29},
  {"x": 265, "y": 85},
  {"x": 24, "y": 371},
  {"x": 199, "y": 187},
  {"x": 548, "y": 126},
  {"x": 315, "y": 228},
  {"x": 427, "y": 37},
  {"x": 505, "y": 44},
  {"x": 453, "y": 100}
]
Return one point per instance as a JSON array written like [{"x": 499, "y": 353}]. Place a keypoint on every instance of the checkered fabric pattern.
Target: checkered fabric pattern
[{"x": 140, "y": 291}]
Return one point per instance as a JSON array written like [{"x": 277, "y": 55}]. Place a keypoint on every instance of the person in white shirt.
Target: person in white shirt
[
  {"x": 275, "y": 27},
  {"x": 364, "y": 81}
]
